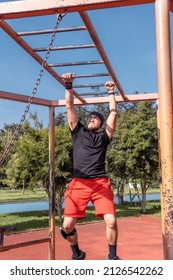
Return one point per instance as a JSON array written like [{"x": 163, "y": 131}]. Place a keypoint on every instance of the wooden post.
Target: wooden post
[
  {"x": 52, "y": 183},
  {"x": 165, "y": 115}
]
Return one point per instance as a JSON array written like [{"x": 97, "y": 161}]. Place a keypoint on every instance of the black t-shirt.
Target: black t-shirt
[{"x": 89, "y": 151}]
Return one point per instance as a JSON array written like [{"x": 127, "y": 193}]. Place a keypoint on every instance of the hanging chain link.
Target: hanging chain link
[{"x": 34, "y": 91}]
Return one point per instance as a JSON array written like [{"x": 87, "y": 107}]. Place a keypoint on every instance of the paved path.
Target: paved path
[{"x": 140, "y": 238}]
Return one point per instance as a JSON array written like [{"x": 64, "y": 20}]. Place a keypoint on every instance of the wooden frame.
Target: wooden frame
[{"x": 29, "y": 8}]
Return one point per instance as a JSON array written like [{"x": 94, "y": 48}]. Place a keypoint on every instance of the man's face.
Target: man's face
[{"x": 93, "y": 123}]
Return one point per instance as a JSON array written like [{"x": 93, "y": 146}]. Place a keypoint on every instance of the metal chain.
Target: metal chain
[{"x": 34, "y": 91}]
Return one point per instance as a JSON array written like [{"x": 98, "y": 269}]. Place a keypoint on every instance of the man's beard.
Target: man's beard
[{"x": 93, "y": 129}]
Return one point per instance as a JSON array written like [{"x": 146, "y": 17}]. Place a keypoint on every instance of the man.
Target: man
[{"x": 90, "y": 182}]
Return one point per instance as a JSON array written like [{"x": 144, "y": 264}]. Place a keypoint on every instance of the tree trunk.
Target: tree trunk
[
  {"x": 23, "y": 187},
  {"x": 59, "y": 209},
  {"x": 143, "y": 202},
  {"x": 121, "y": 193}
]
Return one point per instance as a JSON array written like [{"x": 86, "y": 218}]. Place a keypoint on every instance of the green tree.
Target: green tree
[
  {"x": 82, "y": 112},
  {"x": 5, "y": 136},
  {"x": 22, "y": 168},
  {"x": 29, "y": 165},
  {"x": 61, "y": 119},
  {"x": 133, "y": 154}
]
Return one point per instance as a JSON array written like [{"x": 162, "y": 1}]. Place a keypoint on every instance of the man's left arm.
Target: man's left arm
[{"x": 112, "y": 118}]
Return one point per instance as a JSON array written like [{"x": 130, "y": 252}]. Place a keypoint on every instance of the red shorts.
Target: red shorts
[{"x": 80, "y": 191}]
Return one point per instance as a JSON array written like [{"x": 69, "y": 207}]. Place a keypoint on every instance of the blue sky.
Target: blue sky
[{"x": 127, "y": 35}]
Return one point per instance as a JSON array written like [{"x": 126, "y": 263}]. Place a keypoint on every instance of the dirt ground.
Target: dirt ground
[{"x": 140, "y": 238}]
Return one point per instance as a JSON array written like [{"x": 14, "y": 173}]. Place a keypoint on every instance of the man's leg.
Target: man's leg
[
  {"x": 111, "y": 235},
  {"x": 70, "y": 233},
  {"x": 68, "y": 227}
]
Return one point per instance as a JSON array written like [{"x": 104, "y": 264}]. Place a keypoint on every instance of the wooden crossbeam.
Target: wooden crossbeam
[
  {"x": 60, "y": 103},
  {"x": 30, "y": 8},
  {"x": 105, "y": 100}
]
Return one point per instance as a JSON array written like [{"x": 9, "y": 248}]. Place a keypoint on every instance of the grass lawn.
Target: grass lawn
[
  {"x": 10, "y": 195},
  {"x": 40, "y": 219}
]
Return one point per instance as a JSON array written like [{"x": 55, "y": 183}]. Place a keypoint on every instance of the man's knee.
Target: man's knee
[
  {"x": 66, "y": 234},
  {"x": 110, "y": 221}
]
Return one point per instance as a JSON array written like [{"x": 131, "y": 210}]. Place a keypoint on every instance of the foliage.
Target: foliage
[
  {"x": 133, "y": 154},
  {"x": 29, "y": 164},
  {"x": 60, "y": 119},
  {"x": 40, "y": 219}
]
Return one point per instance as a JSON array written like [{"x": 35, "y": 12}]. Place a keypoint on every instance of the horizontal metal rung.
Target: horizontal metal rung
[
  {"x": 63, "y": 48},
  {"x": 49, "y": 31},
  {"x": 76, "y": 63},
  {"x": 23, "y": 244},
  {"x": 93, "y": 93},
  {"x": 91, "y": 85},
  {"x": 91, "y": 75}
]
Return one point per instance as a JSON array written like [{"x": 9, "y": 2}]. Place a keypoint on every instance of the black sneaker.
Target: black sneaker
[
  {"x": 80, "y": 257},
  {"x": 115, "y": 258}
]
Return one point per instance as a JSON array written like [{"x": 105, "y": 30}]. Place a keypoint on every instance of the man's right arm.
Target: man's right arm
[
  {"x": 71, "y": 110},
  {"x": 112, "y": 118}
]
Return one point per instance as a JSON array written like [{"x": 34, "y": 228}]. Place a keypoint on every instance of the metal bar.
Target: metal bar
[
  {"x": 3, "y": 231},
  {"x": 94, "y": 94},
  {"x": 165, "y": 114},
  {"x": 49, "y": 31},
  {"x": 91, "y": 75},
  {"x": 90, "y": 85},
  {"x": 100, "y": 93},
  {"x": 101, "y": 51},
  {"x": 24, "y": 98},
  {"x": 105, "y": 100},
  {"x": 28, "y": 49},
  {"x": 52, "y": 183},
  {"x": 39, "y": 101},
  {"x": 23, "y": 244},
  {"x": 21, "y": 9},
  {"x": 76, "y": 63},
  {"x": 64, "y": 48},
  {"x": 34, "y": 55}
]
